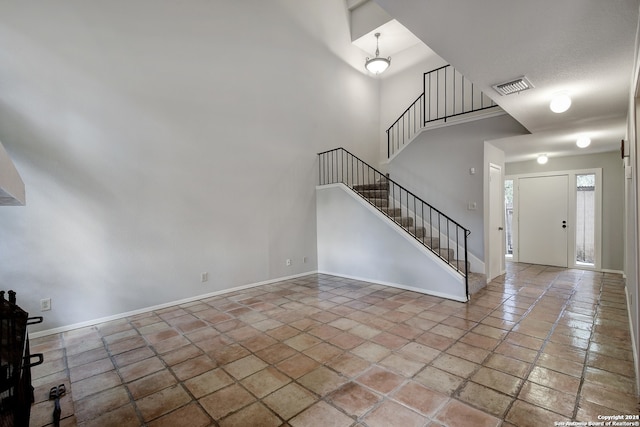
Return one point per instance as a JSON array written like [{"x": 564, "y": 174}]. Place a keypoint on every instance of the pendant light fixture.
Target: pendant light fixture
[{"x": 378, "y": 64}]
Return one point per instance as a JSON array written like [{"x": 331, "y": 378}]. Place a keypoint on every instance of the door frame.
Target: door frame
[
  {"x": 500, "y": 213},
  {"x": 571, "y": 212}
]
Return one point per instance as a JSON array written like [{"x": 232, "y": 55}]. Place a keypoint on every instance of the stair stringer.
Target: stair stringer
[
  {"x": 356, "y": 240},
  {"x": 476, "y": 264}
]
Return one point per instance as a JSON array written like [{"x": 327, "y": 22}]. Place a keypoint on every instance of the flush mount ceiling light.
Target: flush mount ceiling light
[
  {"x": 543, "y": 159},
  {"x": 378, "y": 64},
  {"x": 583, "y": 141},
  {"x": 560, "y": 103}
]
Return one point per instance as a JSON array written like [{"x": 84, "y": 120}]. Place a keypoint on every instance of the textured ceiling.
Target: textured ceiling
[{"x": 582, "y": 47}]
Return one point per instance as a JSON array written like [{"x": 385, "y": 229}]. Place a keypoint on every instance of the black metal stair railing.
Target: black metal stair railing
[
  {"x": 446, "y": 93},
  {"x": 433, "y": 229}
]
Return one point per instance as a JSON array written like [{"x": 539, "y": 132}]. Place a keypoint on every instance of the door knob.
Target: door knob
[{"x": 500, "y": 228}]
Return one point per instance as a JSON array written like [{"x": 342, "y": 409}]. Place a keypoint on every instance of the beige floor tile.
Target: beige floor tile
[
  {"x": 255, "y": 414},
  {"x": 380, "y": 380},
  {"x": 297, "y": 366},
  {"x": 124, "y": 359},
  {"x": 434, "y": 340},
  {"x": 438, "y": 380},
  {"x": 391, "y": 413},
  {"x": 190, "y": 415},
  {"x": 485, "y": 398},
  {"x": 550, "y": 399},
  {"x": 354, "y": 399},
  {"x": 208, "y": 382},
  {"x": 124, "y": 416},
  {"x": 96, "y": 405},
  {"x": 244, "y": 367},
  {"x": 151, "y": 384},
  {"x": 162, "y": 402},
  {"x": 609, "y": 380},
  {"x": 319, "y": 349},
  {"x": 455, "y": 365},
  {"x": 346, "y": 341},
  {"x": 323, "y": 352},
  {"x": 420, "y": 398},
  {"x": 178, "y": 356},
  {"x": 559, "y": 364},
  {"x": 497, "y": 380},
  {"x": 390, "y": 341},
  {"x": 526, "y": 414},
  {"x": 555, "y": 380},
  {"x": 468, "y": 352},
  {"x": 225, "y": 401},
  {"x": 419, "y": 352},
  {"x": 456, "y": 413},
  {"x": 289, "y": 400},
  {"x": 321, "y": 415},
  {"x": 371, "y": 351},
  {"x": 401, "y": 365},
  {"x": 349, "y": 365},
  {"x": 140, "y": 369},
  {"x": 322, "y": 381},
  {"x": 95, "y": 384}
]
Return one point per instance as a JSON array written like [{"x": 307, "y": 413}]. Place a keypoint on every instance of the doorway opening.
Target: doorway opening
[
  {"x": 508, "y": 217},
  {"x": 581, "y": 222},
  {"x": 585, "y": 219}
]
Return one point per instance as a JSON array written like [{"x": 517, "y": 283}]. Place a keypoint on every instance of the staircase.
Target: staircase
[
  {"x": 446, "y": 94},
  {"x": 378, "y": 195},
  {"x": 437, "y": 232}
]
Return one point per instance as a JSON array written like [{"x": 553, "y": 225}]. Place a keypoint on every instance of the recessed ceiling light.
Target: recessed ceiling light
[
  {"x": 543, "y": 159},
  {"x": 560, "y": 103},
  {"x": 583, "y": 141}
]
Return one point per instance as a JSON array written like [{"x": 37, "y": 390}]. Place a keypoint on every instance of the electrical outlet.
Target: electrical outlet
[
  {"x": 45, "y": 304},
  {"x": 204, "y": 277},
  {"x": 288, "y": 262}
]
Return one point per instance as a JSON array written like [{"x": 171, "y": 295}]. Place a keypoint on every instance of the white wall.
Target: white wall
[
  {"x": 436, "y": 167},
  {"x": 356, "y": 240},
  {"x": 612, "y": 196},
  {"x": 158, "y": 141}
]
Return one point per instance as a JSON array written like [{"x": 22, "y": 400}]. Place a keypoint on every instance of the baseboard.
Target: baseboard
[
  {"x": 606, "y": 270},
  {"x": 396, "y": 285},
  {"x": 93, "y": 322},
  {"x": 634, "y": 344}
]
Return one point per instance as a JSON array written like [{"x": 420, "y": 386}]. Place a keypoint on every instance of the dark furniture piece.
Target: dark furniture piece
[{"x": 16, "y": 392}]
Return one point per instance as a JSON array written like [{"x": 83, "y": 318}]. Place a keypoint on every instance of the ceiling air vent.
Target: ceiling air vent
[{"x": 513, "y": 86}]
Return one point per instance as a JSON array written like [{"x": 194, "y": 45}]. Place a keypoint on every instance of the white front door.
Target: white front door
[
  {"x": 496, "y": 222},
  {"x": 542, "y": 225}
]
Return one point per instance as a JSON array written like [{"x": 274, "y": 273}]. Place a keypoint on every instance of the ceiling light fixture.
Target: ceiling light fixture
[
  {"x": 583, "y": 141},
  {"x": 378, "y": 64},
  {"x": 543, "y": 159},
  {"x": 560, "y": 103}
]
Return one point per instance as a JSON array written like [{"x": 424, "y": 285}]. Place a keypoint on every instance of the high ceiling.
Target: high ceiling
[{"x": 582, "y": 47}]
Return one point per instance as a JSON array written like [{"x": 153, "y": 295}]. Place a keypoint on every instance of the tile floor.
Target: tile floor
[{"x": 537, "y": 346}]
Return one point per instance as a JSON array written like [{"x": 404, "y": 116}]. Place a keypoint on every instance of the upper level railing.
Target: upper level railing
[
  {"x": 433, "y": 229},
  {"x": 446, "y": 93}
]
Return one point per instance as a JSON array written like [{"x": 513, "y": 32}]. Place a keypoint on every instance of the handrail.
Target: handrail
[
  {"x": 445, "y": 93},
  {"x": 436, "y": 231}
]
